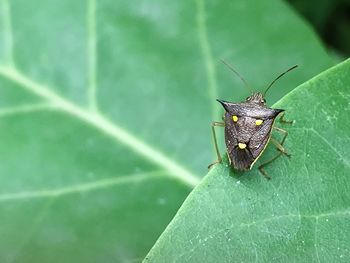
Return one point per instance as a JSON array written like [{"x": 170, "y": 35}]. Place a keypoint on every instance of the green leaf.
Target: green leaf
[
  {"x": 301, "y": 215},
  {"x": 105, "y": 109}
]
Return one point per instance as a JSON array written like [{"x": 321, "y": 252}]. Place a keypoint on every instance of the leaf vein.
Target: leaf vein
[
  {"x": 315, "y": 237},
  {"x": 80, "y": 188},
  {"x": 345, "y": 161},
  {"x": 92, "y": 55},
  {"x": 207, "y": 55},
  {"x": 345, "y": 213},
  {"x": 8, "y": 36},
  {"x": 24, "y": 109},
  {"x": 331, "y": 146}
]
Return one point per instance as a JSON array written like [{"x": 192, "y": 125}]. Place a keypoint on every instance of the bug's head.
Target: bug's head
[{"x": 256, "y": 98}]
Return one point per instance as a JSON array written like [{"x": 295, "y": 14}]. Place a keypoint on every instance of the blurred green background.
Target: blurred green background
[
  {"x": 106, "y": 109},
  {"x": 331, "y": 20}
]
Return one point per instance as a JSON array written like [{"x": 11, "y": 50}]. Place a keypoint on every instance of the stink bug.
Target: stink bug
[{"x": 248, "y": 127}]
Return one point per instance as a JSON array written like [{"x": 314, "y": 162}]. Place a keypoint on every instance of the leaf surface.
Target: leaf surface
[
  {"x": 301, "y": 215},
  {"x": 105, "y": 109}
]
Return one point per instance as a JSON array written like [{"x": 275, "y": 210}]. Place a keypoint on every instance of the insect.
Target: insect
[{"x": 248, "y": 127}]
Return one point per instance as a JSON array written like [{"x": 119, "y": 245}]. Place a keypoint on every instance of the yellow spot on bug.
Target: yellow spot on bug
[
  {"x": 258, "y": 122},
  {"x": 242, "y": 146},
  {"x": 234, "y": 118}
]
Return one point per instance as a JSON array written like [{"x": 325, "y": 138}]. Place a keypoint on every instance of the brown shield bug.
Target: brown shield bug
[{"x": 248, "y": 127}]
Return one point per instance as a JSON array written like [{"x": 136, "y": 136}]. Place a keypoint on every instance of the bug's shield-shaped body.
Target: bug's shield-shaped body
[{"x": 248, "y": 128}]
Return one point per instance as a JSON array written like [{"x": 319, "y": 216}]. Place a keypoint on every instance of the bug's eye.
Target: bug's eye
[
  {"x": 258, "y": 122},
  {"x": 234, "y": 118}
]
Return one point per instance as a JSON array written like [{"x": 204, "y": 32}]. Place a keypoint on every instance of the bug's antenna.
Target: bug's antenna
[
  {"x": 234, "y": 71},
  {"x": 290, "y": 69}
]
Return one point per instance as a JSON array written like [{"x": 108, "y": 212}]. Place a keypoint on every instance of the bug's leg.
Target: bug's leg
[
  {"x": 213, "y": 125},
  {"x": 285, "y": 134},
  {"x": 283, "y": 120},
  {"x": 261, "y": 167},
  {"x": 280, "y": 147}
]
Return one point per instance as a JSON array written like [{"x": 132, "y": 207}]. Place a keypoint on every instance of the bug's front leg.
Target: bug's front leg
[
  {"x": 261, "y": 167},
  {"x": 285, "y": 134},
  {"x": 279, "y": 146},
  {"x": 213, "y": 125},
  {"x": 283, "y": 120}
]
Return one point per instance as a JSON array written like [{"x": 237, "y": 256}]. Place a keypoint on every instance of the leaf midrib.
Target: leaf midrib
[
  {"x": 91, "y": 115},
  {"x": 103, "y": 124}
]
